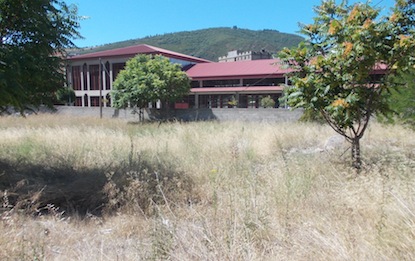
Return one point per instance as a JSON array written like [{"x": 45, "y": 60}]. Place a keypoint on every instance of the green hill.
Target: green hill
[{"x": 214, "y": 42}]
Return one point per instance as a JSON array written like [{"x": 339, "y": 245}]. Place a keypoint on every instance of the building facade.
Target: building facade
[
  {"x": 92, "y": 75},
  {"x": 241, "y": 84},
  {"x": 236, "y": 55}
]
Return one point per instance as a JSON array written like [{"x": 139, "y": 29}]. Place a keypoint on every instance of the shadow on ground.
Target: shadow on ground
[{"x": 138, "y": 185}]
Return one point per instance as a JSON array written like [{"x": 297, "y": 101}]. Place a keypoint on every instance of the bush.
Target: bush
[{"x": 267, "y": 102}]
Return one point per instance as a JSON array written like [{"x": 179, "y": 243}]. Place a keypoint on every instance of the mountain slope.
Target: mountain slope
[{"x": 214, "y": 42}]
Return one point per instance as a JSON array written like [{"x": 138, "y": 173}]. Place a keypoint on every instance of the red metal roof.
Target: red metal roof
[
  {"x": 244, "y": 69},
  {"x": 250, "y": 89},
  {"x": 131, "y": 51}
]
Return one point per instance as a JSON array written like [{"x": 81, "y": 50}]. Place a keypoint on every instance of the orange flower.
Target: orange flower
[
  {"x": 340, "y": 102},
  {"x": 367, "y": 23},
  {"x": 403, "y": 40},
  {"x": 334, "y": 27},
  {"x": 348, "y": 46},
  {"x": 353, "y": 13}
]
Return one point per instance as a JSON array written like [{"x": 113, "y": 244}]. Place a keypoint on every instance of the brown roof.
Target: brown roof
[
  {"x": 255, "y": 68},
  {"x": 131, "y": 51}
]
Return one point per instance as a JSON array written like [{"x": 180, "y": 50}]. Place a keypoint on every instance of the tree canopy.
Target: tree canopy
[
  {"x": 33, "y": 37},
  {"x": 402, "y": 100},
  {"x": 148, "y": 78},
  {"x": 334, "y": 70}
]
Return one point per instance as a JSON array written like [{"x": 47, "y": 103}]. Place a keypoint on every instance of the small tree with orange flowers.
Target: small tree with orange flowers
[{"x": 334, "y": 71}]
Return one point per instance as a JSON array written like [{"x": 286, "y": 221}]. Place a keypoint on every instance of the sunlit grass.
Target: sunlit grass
[{"x": 258, "y": 191}]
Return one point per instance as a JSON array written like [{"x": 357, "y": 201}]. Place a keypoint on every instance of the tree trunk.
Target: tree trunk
[{"x": 356, "y": 158}]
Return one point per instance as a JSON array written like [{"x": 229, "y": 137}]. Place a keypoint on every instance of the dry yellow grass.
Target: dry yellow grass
[{"x": 262, "y": 192}]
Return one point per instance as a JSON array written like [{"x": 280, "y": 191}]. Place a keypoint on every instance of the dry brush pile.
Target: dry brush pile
[{"x": 86, "y": 189}]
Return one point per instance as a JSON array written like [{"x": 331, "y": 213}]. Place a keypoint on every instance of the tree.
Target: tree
[
  {"x": 146, "y": 79},
  {"x": 33, "y": 37},
  {"x": 267, "y": 102},
  {"x": 65, "y": 96},
  {"x": 333, "y": 70},
  {"x": 402, "y": 100}
]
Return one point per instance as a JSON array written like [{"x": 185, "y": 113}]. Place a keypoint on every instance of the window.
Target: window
[
  {"x": 264, "y": 82},
  {"x": 76, "y": 77},
  {"x": 86, "y": 100},
  {"x": 222, "y": 83},
  {"x": 194, "y": 84},
  {"x": 107, "y": 76},
  {"x": 78, "y": 101},
  {"x": 116, "y": 68},
  {"x": 94, "y": 77},
  {"x": 85, "y": 76},
  {"x": 94, "y": 101}
]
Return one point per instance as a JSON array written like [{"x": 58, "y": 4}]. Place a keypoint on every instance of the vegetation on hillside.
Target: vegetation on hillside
[
  {"x": 108, "y": 190},
  {"x": 214, "y": 42}
]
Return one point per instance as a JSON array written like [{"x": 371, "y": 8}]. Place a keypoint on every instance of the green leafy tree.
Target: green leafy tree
[
  {"x": 65, "y": 95},
  {"x": 333, "y": 70},
  {"x": 33, "y": 38},
  {"x": 267, "y": 102},
  {"x": 402, "y": 100},
  {"x": 147, "y": 79}
]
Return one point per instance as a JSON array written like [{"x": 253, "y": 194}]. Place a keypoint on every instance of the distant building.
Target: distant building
[
  {"x": 237, "y": 55},
  {"x": 242, "y": 83},
  {"x": 92, "y": 75}
]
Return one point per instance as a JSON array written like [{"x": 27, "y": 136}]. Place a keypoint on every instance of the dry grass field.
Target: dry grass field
[{"x": 90, "y": 189}]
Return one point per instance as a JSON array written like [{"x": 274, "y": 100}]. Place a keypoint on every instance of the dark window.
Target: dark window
[
  {"x": 85, "y": 76},
  {"x": 264, "y": 82},
  {"x": 86, "y": 100},
  {"x": 107, "y": 76},
  {"x": 222, "y": 83},
  {"x": 76, "y": 77},
  {"x": 116, "y": 68},
  {"x": 94, "y": 77},
  {"x": 194, "y": 84},
  {"x": 78, "y": 101},
  {"x": 94, "y": 101}
]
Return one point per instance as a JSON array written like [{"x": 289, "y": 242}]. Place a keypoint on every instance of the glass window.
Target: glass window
[
  {"x": 76, "y": 77},
  {"x": 116, "y": 68},
  {"x": 94, "y": 77},
  {"x": 264, "y": 82},
  {"x": 85, "y": 76},
  {"x": 107, "y": 76},
  {"x": 222, "y": 83},
  {"x": 94, "y": 101}
]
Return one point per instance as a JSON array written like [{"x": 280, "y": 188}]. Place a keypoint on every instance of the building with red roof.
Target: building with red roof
[
  {"x": 240, "y": 84},
  {"x": 83, "y": 71},
  {"x": 214, "y": 85},
  {"x": 219, "y": 85}
]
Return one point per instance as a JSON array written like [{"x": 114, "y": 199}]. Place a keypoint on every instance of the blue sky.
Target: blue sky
[{"x": 111, "y": 21}]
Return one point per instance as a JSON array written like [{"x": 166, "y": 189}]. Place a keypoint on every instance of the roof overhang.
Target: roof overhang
[{"x": 242, "y": 89}]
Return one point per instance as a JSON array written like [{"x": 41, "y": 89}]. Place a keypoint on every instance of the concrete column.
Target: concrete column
[
  {"x": 197, "y": 100},
  {"x": 88, "y": 79}
]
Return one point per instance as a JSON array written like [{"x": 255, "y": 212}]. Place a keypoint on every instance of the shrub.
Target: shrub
[{"x": 267, "y": 102}]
